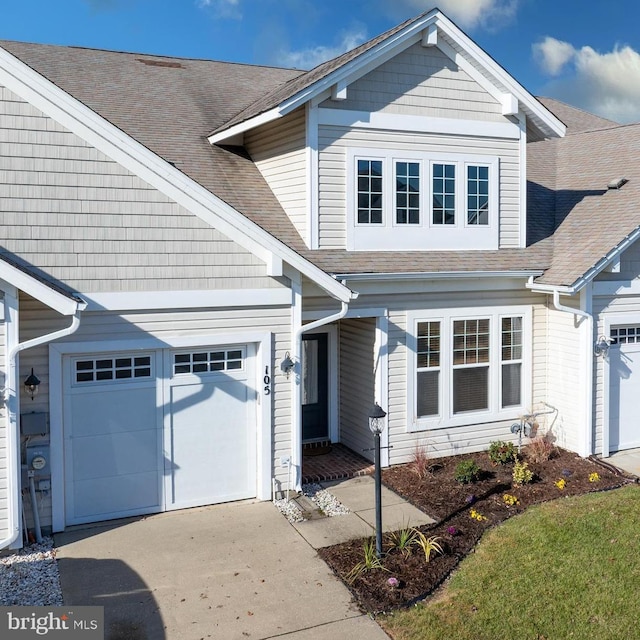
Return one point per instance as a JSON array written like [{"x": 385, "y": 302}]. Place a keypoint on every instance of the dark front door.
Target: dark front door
[{"x": 315, "y": 387}]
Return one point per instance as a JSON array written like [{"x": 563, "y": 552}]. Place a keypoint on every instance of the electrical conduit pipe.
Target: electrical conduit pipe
[{"x": 13, "y": 465}]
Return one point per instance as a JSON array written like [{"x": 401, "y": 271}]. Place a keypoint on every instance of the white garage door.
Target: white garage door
[
  {"x": 147, "y": 432},
  {"x": 624, "y": 393}
]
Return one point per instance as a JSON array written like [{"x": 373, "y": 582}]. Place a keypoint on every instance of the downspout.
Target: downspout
[
  {"x": 588, "y": 369},
  {"x": 13, "y": 464},
  {"x": 296, "y": 436}
]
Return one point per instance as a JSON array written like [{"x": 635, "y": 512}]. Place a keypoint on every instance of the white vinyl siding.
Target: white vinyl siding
[
  {"x": 279, "y": 151},
  {"x": 37, "y": 320},
  {"x": 450, "y": 440},
  {"x": 421, "y": 81},
  {"x": 357, "y": 383},
  {"x": 4, "y": 480},
  {"x": 335, "y": 143},
  {"x": 70, "y": 210},
  {"x": 564, "y": 379}
]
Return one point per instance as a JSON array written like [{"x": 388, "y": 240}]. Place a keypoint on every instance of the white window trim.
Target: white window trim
[
  {"x": 446, "y": 317},
  {"x": 391, "y": 236}
]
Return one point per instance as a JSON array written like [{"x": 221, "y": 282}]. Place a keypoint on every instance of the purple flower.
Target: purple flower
[
  {"x": 470, "y": 499},
  {"x": 452, "y": 531},
  {"x": 566, "y": 472},
  {"x": 393, "y": 582}
]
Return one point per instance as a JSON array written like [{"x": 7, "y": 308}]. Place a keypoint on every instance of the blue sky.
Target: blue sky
[{"x": 585, "y": 52}]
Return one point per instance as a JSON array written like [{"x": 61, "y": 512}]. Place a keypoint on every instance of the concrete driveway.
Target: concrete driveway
[{"x": 223, "y": 572}]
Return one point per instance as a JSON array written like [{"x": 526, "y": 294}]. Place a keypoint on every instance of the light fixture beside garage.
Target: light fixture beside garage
[
  {"x": 287, "y": 364},
  {"x": 31, "y": 385}
]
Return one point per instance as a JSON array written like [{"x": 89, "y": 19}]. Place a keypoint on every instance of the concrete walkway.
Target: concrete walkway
[
  {"x": 225, "y": 572},
  {"x": 358, "y": 494},
  {"x": 628, "y": 460}
]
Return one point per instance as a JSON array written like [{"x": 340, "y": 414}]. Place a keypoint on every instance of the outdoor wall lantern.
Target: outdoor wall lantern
[
  {"x": 601, "y": 347},
  {"x": 31, "y": 385},
  {"x": 376, "y": 424},
  {"x": 287, "y": 364}
]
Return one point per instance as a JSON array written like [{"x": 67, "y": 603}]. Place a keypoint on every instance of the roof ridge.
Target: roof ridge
[{"x": 148, "y": 55}]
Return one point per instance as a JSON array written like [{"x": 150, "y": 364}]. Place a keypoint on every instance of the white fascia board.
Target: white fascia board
[
  {"x": 418, "y": 124},
  {"x": 601, "y": 265},
  {"x": 501, "y": 77},
  {"x": 440, "y": 275},
  {"x": 37, "y": 289},
  {"x": 238, "y": 129},
  {"x": 136, "y": 300},
  {"x": 123, "y": 149}
]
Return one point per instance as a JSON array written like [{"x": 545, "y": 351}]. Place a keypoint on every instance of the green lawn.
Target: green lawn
[{"x": 565, "y": 569}]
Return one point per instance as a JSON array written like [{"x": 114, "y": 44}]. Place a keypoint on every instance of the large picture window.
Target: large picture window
[{"x": 468, "y": 366}]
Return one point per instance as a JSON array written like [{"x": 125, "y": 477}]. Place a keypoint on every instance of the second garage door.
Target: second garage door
[{"x": 147, "y": 432}]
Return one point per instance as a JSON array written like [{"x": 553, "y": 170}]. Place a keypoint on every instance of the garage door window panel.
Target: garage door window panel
[
  {"x": 100, "y": 370},
  {"x": 195, "y": 362}
]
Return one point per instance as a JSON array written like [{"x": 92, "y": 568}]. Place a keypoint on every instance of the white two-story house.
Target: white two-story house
[{"x": 209, "y": 265}]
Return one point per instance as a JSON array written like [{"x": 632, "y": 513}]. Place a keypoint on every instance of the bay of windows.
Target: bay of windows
[
  {"x": 401, "y": 182},
  {"x": 467, "y": 369}
]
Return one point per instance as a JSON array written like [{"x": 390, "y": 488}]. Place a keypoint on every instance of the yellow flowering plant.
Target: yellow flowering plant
[
  {"x": 594, "y": 477},
  {"x": 561, "y": 484},
  {"x": 510, "y": 500},
  {"x": 476, "y": 515}
]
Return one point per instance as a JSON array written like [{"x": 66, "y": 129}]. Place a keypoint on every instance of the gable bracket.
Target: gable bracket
[
  {"x": 339, "y": 90},
  {"x": 430, "y": 36},
  {"x": 510, "y": 104}
]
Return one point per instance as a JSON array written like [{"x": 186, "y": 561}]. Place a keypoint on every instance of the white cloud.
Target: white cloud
[
  {"x": 222, "y": 8},
  {"x": 313, "y": 56},
  {"x": 604, "y": 83},
  {"x": 489, "y": 14},
  {"x": 552, "y": 55}
]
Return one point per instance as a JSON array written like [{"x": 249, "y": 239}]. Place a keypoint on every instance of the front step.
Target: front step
[{"x": 310, "y": 510}]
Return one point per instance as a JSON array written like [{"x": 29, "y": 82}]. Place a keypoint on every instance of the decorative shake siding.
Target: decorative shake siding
[
  {"x": 356, "y": 383},
  {"x": 4, "y": 480},
  {"x": 334, "y": 141},
  {"x": 37, "y": 319},
  {"x": 421, "y": 81},
  {"x": 279, "y": 151},
  {"x": 69, "y": 209}
]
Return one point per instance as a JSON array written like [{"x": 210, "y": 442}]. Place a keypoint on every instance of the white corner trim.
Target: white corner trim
[
  {"x": 123, "y": 149},
  {"x": 430, "y": 36},
  {"x": 417, "y": 124},
  {"x": 313, "y": 169},
  {"x": 522, "y": 235},
  {"x": 64, "y": 305},
  {"x": 201, "y": 299}
]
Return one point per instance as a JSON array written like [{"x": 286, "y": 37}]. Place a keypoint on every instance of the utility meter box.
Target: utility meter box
[
  {"x": 34, "y": 424},
  {"x": 38, "y": 459}
]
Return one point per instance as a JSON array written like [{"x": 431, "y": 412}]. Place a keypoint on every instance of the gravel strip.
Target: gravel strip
[
  {"x": 289, "y": 510},
  {"x": 327, "y": 502},
  {"x": 30, "y": 577}
]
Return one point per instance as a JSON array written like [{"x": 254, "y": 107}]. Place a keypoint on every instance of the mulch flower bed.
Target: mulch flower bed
[{"x": 463, "y": 513}]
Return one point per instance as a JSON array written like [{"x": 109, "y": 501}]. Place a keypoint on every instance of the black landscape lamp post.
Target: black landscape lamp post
[{"x": 376, "y": 424}]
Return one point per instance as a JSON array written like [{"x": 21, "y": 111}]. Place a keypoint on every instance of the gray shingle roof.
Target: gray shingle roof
[
  {"x": 577, "y": 120},
  {"x": 171, "y": 104}
]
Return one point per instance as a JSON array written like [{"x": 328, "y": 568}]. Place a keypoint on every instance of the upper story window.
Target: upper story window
[
  {"x": 370, "y": 191},
  {"x": 477, "y": 195},
  {"x": 444, "y": 193},
  {"x": 407, "y": 192},
  {"x": 419, "y": 201}
]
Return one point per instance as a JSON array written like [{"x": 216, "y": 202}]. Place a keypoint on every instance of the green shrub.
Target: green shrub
[
  {"x": 521, "y": 473},
  {"x": 467, "y": 471},
  {"x": 501, "y": 452}
]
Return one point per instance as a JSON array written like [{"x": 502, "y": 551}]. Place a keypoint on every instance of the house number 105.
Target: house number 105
[{"x": 267, "y": 381}]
